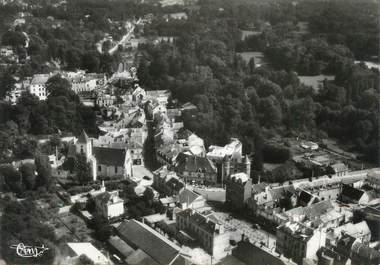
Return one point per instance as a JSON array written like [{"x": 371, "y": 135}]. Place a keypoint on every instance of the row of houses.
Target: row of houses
[{"x": 36, "y": 85}]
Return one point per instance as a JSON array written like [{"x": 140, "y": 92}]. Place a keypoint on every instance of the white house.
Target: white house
[
  {"x": 109, "y": 203},
  {"x": 105, "y": 162},
  {"x": 38, "y": 86}
]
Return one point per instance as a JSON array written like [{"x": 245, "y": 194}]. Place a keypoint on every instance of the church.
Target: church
[{"x": 105, "y": 162}]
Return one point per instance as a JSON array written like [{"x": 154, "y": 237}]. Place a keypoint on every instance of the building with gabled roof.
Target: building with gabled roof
[
  {"x": 207, "y": 229},
  {"x": 190, "y": 199},
  {"x": 359, "y": 230},
  {"x": 105, "y": 162},
  {"x": 298, "y": 241},
  {"x": 37, "y": 86},
  {"x": 196, "y": 169},
  {"x": 75, "y": 250},
  {"x": 350, "y": 194},
  {"x": 148, "y": 244},
  {"x": 109, "y": 204},
  {"x": 167, "y": 182}
]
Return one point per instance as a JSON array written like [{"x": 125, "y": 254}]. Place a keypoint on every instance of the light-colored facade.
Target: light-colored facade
[
  {"x": 110, "y": 204},
  {"x": 298, "y": 242},
  {"x": 206, "y": 229},
  {"x": 38, "y": 86}
]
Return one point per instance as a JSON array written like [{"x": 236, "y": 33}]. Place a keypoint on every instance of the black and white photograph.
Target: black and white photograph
[{"x": 189, "y": 132}]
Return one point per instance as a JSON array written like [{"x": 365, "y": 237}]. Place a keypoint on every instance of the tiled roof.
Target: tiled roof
[
  {"x": 279, "y": 192},
  {"x": 110, "y": 156},
  {"x": 313, "y": 210},
  {"x": 120, "y": 246},
  {"x": 158, "y": 247},
  {"x": 188, "y": 196},
  {"x": 305, "y": 196},
  {"x": 208, "y": 224},
  {"x": 352, "y": 193},
  {"x": 39, "y": 79},
  {"x": 193, "y": 163}
]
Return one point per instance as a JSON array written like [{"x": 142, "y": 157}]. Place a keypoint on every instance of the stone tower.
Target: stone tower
[
  {"x": 247, "y": 163},
  {"x": 83, "y": 145}
]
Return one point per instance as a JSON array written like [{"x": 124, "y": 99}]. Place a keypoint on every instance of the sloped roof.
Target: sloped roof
[
  {"x": 206, "y": 223},
  {"x": 313, "y": 210},
  {"x": 120, "y": 246},
  {"x": 352, "y": 193},
  {"x": 305, "y": 196},
  {"x": 253, "y": 255},
  {"x": 279, "y": 192},
  {"x": 89, "y": 250},
  {"x": 175, "y": 184},
  {"x": 193, "y": 163},
  {"x": 110, "y": 156},
  {"x": 158, "y": 247},
  {"x": 188, "y": 196},
  {"x": 83, "y": 138},
  {"x": 352, "y": 229},
  {"x": 139, "y": 257},
  {"x": 259, "y": 187}
]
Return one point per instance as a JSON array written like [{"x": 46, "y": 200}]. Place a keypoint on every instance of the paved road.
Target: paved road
[{"x": 238, "y": 227}]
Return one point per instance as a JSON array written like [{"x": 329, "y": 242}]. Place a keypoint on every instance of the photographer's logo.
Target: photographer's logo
[{"x": 29, "y": 251}]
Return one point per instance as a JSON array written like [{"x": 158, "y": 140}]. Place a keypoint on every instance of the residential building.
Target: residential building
[
  {"x": 358, "y": 252},
  {"x": 233, "y": 150},
  {"x": 105, "y": 100},
  {"x": 227, "y": 159},
  {"x": 298, "y": 241},
  {"x": 253, "y": 255},
  {"x": 338, "y": 169},
  {"x": 321, "y": 214},
  {"x": 113, "y": 162},
  {"x": 207, "y": 229},
  {"x": 167, "y": 182},
  {"x": 188, "y": 199},
  {"x": 161, "y": 96},
  {"x": 196, "y": 169},
  {"x": 359, "y": 231},
  {"x": 147, "y": 246},
  {"x": 105, "y": 162},
  {"x": 350, "y": 194},
  {"x": 109, "y": 204},
  {"x": 238, "y": 190},
  {"x": 83, "y": 83},
  {"x": 75, "y": 250},
  {"x": 38, "y": 86}
]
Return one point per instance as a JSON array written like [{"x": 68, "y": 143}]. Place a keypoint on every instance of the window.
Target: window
[
  {"x": 115, "y": 170},
  {"x": 99, "y": 168}
]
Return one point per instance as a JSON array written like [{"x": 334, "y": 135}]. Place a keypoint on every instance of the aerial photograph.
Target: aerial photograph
[{"x": 189, "y": 132}]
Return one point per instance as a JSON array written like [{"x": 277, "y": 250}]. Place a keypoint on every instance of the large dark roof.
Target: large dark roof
[
  {"x": 109, "y": 156},
  {"x": 148, "y": 240},
  {"x": 351, "y": 193},
  {"x": 193, "y": 163},
  {"x": 174, "y": 184},
  {"x": 253, "y": 255}
]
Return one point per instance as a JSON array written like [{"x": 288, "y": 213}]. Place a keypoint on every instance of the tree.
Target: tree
[
  {"x": 148, "y": 195},
  {"x": 90, "y": 61},
  {"x": 13, "y": 38},
  {"x": 272, "y": 113},
  {"x": 44, "y": 174},
  {"x": 12, "y": 178},
  {"x": 83, "y": 169},
  {"x": 7, "y": 83},
  {"x": 28, "y": 173}
]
